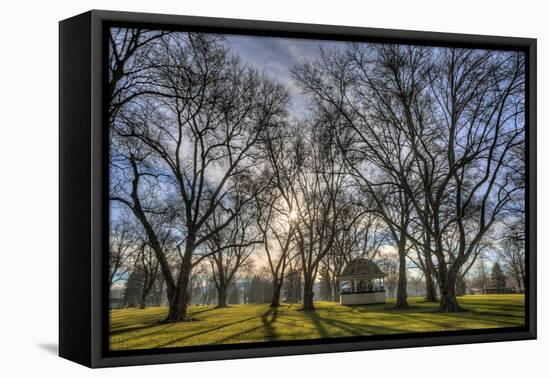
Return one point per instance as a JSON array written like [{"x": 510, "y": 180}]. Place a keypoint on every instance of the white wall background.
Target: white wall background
[{"x": 29, "y": 185}]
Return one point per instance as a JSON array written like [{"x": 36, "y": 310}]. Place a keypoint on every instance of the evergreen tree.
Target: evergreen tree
[
  {"x": 233, "y": 294},
  {"x": 133, "y": 288},
  {"x": 255, "y": 290},
  {"x": 498, "y": 278},
  {"x": 260, "y": 290}
]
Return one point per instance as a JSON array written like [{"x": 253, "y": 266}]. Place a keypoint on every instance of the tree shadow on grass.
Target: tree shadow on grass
[
  {"x": 362, "y": 329},
  {"x": 386, "y": 308},
  {"x": 158, "y": 328},
  {"x": 500, "y": 306},
  {"x": 485, "y": 313},
  {"x": 497, "y": 319},
  {"x": 268, "y": 318},
  {"x": 204, "y": 332},
  {"x": 411, "y": 308},
  {"x": 236, "y": 337},
  {"x": 206, "y": 310},
  {"x": 154, "y": 322},
  {"x": 122, "y": 322},
  {"x": 133, "y": 329},
  {"x": 451, "y": 321},
  {"x": 316, "y": 319}
]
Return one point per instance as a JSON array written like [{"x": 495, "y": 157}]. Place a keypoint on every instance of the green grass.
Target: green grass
[{"x": 138, "y": 329}]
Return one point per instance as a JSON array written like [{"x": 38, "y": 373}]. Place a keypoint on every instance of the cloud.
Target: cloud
[{"x": 276, "y": 56}]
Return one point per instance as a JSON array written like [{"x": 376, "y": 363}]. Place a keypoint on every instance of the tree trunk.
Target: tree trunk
[
  {"x": 222, "y": 295},
  {"x": 177, "y": 311},
  {"x": 336, "y": 291},
  {"x": 518, "y": 282},
  {"x": 276, "y": 298},
  {"x": 142, "y": 300},
  {"x": 308, "y": 294},
  {"x": 447, "y": 302},
  {"x": 401, "y": 303},
  {"x": 144, "y": 293},
  {"x": 431, "y": 295}
]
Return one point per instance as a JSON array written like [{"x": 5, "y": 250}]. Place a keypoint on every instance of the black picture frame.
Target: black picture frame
[{"x": 83, "y": 313}]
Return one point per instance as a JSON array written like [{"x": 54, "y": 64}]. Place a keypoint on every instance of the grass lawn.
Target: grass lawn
[{"x": 138, "y": 329}]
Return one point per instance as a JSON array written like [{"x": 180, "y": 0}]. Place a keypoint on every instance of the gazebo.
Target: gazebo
[{"x": 362, "y": 282}]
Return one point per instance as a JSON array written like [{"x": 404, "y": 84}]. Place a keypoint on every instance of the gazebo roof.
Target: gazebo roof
[{"x": 362, "y": 268}]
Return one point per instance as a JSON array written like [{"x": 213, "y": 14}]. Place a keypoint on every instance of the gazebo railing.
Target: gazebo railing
[
  {"x": 350, "y": 291},
  {"x": 361, "y": 284}
]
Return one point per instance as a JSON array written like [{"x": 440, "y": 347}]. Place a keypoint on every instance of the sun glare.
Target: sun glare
[{"x": 292, "y": 216}]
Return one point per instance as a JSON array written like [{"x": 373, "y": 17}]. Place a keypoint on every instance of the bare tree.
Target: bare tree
[
  {"x": 230, "y": 249},
  {"x": 375, "y": 154},
  {"x": 154, "y": 212},
  {"x": 130, "y": 53},
  {"x": 122, "y": 248},
  {"x": 511, "y": 252},
  {"x": 203, "y": 284},
  {"x": 277, "y": 226},
  {"x": 245, "y": 277},
  {"x": 292, "y": 287},
  {"x": 441, "y": 125},
  {"x": 424, "y": 259},
  {"x": 319, "y": 193},
  {"x": 200, "y": 124},
  {"x": 477, "y": 95},
  {"x": 388, "y": 264},
  {"x": 277, "y": 206},
  {"x": 149, "y": 269}
]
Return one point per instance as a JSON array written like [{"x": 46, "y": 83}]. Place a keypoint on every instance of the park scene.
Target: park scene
[{"x": 266, "y": 189}]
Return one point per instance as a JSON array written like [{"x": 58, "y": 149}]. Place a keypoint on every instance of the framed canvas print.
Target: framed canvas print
[{"x": 234, "y": 188}]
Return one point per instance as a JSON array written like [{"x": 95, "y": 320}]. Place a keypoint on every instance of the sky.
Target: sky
[{"x": 276, "y": 56}]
